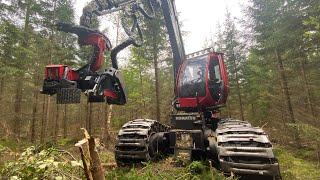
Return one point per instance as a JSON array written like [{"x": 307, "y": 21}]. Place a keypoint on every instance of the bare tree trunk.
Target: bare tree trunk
[
  {"x": 253, "y": 111},
  {"x": 106, "y": 135},
  {"x": 157, "y": 85},
  {"x": 19, "y": 81},
  {"x": 1, "y": 88},
  {"x": 56, "y": 124},
  {"x": 90, "y": 119},
  {"x": 307, "y": 87},
  {"x": 238, "y": 87},
  {"x": 65, "y": 132},
  {"x": 285, "y": 90},
  {"x": 42, "y": 128},
  {"x": 228, "y": 109},
  {"x": 102, "y": 119},
  {"x": 34, "y": 115},
  {"x": 47, "y": 119},
  {"x": 318, "y": 155},
  {"x": 282, "y": 107},
  {"x": 17, "y": 108},
  {"x": 79, "y": 116},
  {"x": 1, "y": 97},
  {"x": 142, "y": 90},
  {"x": 109, "y": 114},
  {"x": 87, "y": 115},
  {"x": 97, "y": 116}
]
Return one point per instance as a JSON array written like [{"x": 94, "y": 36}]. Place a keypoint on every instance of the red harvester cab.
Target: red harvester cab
[{"x": 202, "y": 82}]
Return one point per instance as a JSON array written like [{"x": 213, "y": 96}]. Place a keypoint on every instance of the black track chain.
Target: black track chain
[
  {"x": 132, "y": 144},
  {"x": 68, "y": 96}
]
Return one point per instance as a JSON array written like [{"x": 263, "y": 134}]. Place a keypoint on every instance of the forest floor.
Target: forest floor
[{"x": 16, "y": 161}]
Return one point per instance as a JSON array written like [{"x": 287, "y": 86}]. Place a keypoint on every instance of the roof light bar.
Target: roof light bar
[{"x": 200, "y": 53}]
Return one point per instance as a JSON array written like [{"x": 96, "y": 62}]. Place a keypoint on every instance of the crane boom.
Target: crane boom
[
  {"x": 102, "y": 7},
  {"x": 175, "y": 37}
]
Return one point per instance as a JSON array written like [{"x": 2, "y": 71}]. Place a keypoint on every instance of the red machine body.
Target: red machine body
[
  {"x": 57, "y": 72},
  {"x": 98, "y": 86},
  {"x": 202, "y": 82},
  {"x": 98, "y": 41}
]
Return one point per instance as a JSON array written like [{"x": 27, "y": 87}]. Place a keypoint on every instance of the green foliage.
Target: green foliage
[
  {"x": 13, "y": 144},
  {"x": 295, "y": 168},
  {"x": 282, "y": 26},
  {"x": 66, "y": 142},
  {"x": 166, "y": 170},
  {"x": 311, "y": 139},
  {"x": 107, "y": 156},
  {"x": 44, "y": 164},
  {"x": 196, "y": 167},
  {"x": 139, "y": 73}
]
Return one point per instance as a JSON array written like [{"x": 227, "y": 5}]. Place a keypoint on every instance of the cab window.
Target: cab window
[
  {"x": 192, "y": 77},
  {"x": 215, "y": 83},
  {"x": 214, "y": 71}
]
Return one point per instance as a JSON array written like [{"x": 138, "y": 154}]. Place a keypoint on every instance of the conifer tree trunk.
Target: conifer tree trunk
[
  {"x": 56, "y": 124},
  {"x": 307, "y": 87},
  {"x": 238, "y": 87},
  {"x": 156, "y": 73},
  {"x": 65, "y": 131},
  {"x": 52, "y": 39},
  {"x": 142, "y": 90},
  {"x": 19, "y": 81},
  {"x": 1, "y": 94},
  {"x": 42, "y": 127},
  {"x": 87, "y": 115},
  {"x": 106, "y": 133},
  {"x": 253, "y": 111},
  {"x": 17, "y": 108},
  {"x": 285, "y": 91},
  {"x": 90, "y": 118},
  {"x": 285, "y": 88},
  {"x": 34, "y": 115},
  {"x": 1, "y": 88},
  {"x": 47, "y": 117},
  {"x": 229, "y": 109}
]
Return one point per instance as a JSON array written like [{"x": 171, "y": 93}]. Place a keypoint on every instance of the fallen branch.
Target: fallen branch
[{"x": 66, "y": 152}]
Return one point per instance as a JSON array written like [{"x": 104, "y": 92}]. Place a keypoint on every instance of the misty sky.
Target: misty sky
[{"x": 199, "y": 18}]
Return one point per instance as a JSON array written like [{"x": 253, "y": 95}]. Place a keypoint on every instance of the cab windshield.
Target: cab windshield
[{"x": 192, "y": 78}]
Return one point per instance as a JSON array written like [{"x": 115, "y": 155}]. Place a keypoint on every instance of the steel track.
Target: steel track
[{"x": 241, "y": 148}]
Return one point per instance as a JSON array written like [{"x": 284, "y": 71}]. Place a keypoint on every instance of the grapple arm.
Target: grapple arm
[{"x": 68, "y": 83}]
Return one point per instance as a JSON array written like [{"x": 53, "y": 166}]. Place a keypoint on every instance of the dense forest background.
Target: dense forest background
[{"x": 272, "y": 57}]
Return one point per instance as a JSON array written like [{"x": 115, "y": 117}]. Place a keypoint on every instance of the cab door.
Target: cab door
[{"x": 217, "y": 79}]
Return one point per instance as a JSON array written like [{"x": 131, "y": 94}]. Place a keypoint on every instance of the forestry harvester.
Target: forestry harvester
[{"x": 201, "y": 88}]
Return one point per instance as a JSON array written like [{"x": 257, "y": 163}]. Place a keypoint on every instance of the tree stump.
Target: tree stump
[{"x": 92, "y": 166}]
